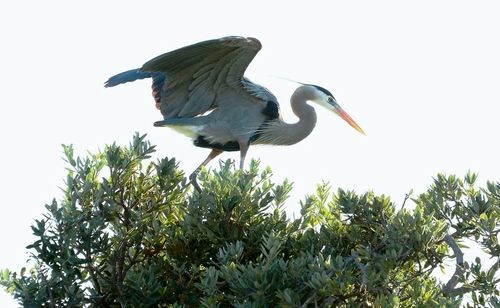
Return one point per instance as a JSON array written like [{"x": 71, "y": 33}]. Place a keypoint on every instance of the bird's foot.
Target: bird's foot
[{"x": 194, "y": 182}]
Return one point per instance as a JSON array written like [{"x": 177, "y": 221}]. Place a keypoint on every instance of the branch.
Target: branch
[
  {"x": 407, "y": 196},
  {"x": 449, "y": 288},
  {"x": 469, "y": 288}
]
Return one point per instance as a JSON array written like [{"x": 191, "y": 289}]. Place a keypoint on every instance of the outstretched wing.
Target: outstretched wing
[{"x": 197, "y": 74}]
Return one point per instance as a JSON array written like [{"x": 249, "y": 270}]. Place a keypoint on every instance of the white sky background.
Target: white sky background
[{"x": 421, "y": 78}]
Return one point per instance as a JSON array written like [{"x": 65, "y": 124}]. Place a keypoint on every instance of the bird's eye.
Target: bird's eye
[{"x": 330, "y": 99}]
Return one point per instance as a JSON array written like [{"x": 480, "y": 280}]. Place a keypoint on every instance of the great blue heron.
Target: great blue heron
[{"x": 201, "y": 92}]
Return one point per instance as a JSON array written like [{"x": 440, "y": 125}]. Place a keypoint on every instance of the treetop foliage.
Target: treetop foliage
[{"x": 129, "y": 232}]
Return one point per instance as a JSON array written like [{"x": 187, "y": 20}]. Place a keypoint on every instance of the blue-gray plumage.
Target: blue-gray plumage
[{"x": 201, "y": 92}]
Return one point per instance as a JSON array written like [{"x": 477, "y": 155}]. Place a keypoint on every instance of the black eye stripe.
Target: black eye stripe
[
  {"x": 328, "y": 93},
  {"x": 323, "y": 90}
]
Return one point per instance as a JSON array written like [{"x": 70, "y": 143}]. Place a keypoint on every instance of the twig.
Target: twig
[
  {"x": 48, "y": 288},
  {"x": 306, "y": 303}
]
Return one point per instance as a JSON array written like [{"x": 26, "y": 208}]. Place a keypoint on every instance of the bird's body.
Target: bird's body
[{"x": 201, "y": 92}]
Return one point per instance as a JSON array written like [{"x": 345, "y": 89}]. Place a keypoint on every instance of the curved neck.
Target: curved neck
[
  {"x": 282, "y": 133},
  {"x": 305, "y": 113}
]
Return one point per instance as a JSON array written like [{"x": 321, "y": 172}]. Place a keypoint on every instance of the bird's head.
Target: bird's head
[{"x": 324, "y": 98}]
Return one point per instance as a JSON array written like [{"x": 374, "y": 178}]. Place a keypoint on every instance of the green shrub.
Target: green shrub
[{"x": 132, "y": 233}]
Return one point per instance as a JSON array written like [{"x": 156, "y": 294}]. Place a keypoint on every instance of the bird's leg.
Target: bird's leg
[
  {"x": 243, "y": 153},
  {"x": 193, "y": 175}
]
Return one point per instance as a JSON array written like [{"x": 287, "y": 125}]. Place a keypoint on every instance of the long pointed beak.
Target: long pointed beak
[{"x": 341, "y": 113}]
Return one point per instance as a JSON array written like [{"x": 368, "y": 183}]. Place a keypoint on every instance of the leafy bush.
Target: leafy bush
[{"x": 132, "y": 233}]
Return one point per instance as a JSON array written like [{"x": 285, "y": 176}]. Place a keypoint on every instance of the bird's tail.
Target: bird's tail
[{"x": 127, "y": 76}]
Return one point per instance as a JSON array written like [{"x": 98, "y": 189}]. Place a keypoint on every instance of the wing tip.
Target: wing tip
[
  {"x": 127, "y": 76},
  {"x": 240, "y": 41}
]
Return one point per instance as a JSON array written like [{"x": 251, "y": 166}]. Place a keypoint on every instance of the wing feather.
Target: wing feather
[{"x": 197, "y": 73}]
